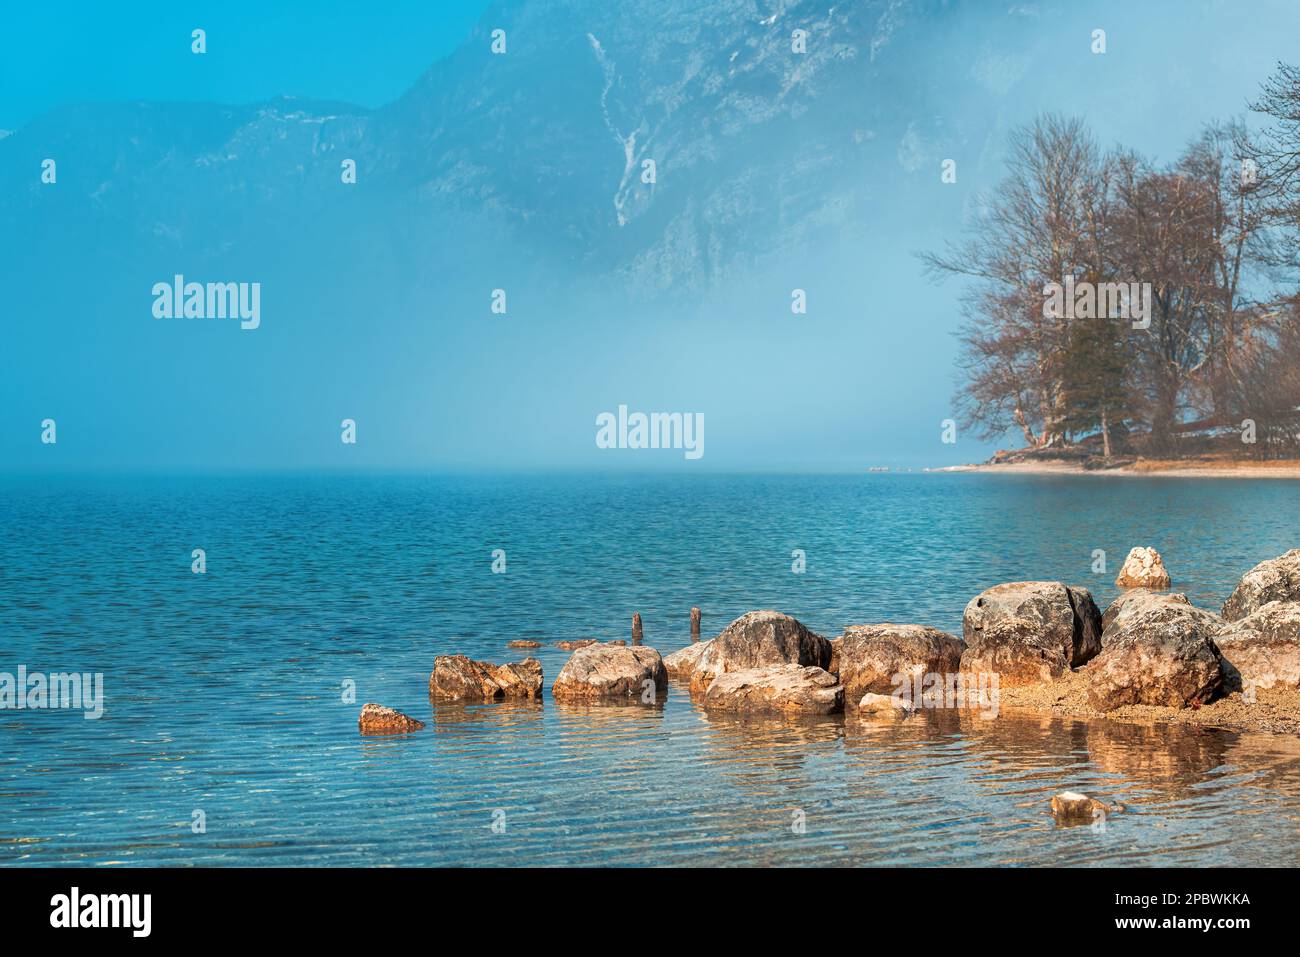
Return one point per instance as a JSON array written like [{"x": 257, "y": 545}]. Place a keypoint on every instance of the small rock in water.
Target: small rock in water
[
  {"x": 884, "y": 705},
  {"x": 575, "y": 644},
  {"x": 459, "y": 678},
  {"x": 376, "y": 719},
  {"x": 1071, "y": 807},
  {"x": 521, "y": 643},
  {"x": 1144, "y": 568},
  {"x": 611, "y": 672}
]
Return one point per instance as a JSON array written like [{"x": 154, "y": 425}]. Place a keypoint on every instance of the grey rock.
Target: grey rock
[
  {"x": 1157, "y": 652},
  {"x": 757, "y": 639},
  {"x": 1263, "y": 649},
  {"x": 681, "y": 663},
  {"x": 1029, "y": 632},
  {"x": 1277, "y": 579},
  {"x": 458, "y": 678},
  {"x": 612, "y": 672},
  {"x": 871, "y": 656},
  {"x": 777, "y": 689}
]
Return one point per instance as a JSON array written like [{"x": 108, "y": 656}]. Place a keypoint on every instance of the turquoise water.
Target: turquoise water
[{"x": 223, "y": 691}]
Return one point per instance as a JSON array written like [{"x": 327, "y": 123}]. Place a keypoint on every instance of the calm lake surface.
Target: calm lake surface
[{"x": 224, "y": 691}]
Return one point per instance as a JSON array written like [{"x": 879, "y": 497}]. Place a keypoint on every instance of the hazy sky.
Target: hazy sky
[
  {"x": 865, "y": 379},
  {"x": 363, "y": 53}
]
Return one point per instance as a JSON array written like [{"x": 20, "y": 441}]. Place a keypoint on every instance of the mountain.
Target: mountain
[
  {"x": 755, "y": 146},
  {"x": 782, "y": 161}
]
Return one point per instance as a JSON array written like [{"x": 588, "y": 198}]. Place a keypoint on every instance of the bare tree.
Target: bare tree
[
  {"x": 1202, "y": 233},
  {"x": 1235, "y": 232},
  {"x": 1040, "y": 225},
  {"x": 1161, "y": 237},
  {"x": 1274, "y": 156}
]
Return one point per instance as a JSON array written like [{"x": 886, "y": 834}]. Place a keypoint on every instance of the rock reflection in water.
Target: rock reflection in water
[{"x": 470, "y": 718}]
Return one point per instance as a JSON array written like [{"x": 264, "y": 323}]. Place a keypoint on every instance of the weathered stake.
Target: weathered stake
[
  {"x": 636, "y": 628},
  {"x": 695, "y": 624}
]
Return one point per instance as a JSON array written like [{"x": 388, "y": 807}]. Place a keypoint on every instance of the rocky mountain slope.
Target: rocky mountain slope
[{"x": 755, "y": 146}]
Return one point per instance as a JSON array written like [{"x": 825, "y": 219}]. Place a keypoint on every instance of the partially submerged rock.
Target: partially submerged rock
[
  {"x": 776, "y": 689},
  {"x": 1262, "y": 650},
  {"x": 1144, "y": 568},
  {"x": 1157, "y": 651},
  {"x": 755, "y": 640},
  {"x": 1028, "y": 632},
  {"x": 458, "y": 678},
  {"x": 872, "y": 655},
  {"x": 376, "y": 719},
  {"x": 885, "y": 705},
  {"x": 1071, "y": 807},
  {"x": 523, "y": 643},
  {"x": 1277, "y": 579},
  {"x": 681, "y": 663},
  {"x": 575, "y": 644},
  {"x": 613, "y": 672}
]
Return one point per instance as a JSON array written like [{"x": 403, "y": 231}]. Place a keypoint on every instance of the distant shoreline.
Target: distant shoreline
[{"x": 1171, "y": 468}]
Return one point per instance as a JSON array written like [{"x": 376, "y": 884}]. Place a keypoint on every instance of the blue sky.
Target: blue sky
[
  {"x": 865, "y": 379},
  {"x": 52, "y": 54}
]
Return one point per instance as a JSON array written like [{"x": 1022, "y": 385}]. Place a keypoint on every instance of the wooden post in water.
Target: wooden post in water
[
  {"x": 695, "y": 624},
  {"x": 636, "y": 628}
]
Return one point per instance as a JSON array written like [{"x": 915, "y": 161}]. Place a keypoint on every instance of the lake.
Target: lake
[{"x": 224, "y": 693}]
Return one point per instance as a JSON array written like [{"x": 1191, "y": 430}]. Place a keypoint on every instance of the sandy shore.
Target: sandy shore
[
  {"x": 1274, "y": 709},
  {"x": 1173, "y": 468}
]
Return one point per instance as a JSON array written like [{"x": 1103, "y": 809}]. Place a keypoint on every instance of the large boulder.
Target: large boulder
[
  {"x": 1277, "y": 579},
  {"x": 1124, "y": 598},
  {"x": 1157, "y": 651},
  {"x": 458, "y": 678},
  {"x": 871, "y": 656},
  {"x": 757, "y": 639},
  {"x": 612, "y": 672},
  {"x": 1144, "y": 568},
  {"x": 376, "y": 719},
  {"x": 1263, "y": 649},
  {"x": 776, "y": 689},
  {"x": 681, "y": 663},
  {"x": 1029, "y": 632}
]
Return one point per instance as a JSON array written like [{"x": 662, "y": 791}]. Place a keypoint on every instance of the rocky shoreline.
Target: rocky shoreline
[{"x": 1036, "y": 646}]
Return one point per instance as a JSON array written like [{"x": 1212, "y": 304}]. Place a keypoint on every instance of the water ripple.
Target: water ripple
[{"x": 224, "y": 692}]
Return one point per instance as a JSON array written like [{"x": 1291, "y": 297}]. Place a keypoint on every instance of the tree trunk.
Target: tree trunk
[
  {"x": 1105, "y": 434},
  {"x": 1031, "y": 440}
]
